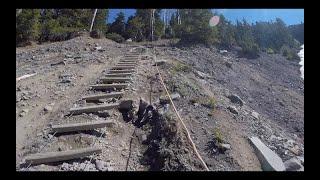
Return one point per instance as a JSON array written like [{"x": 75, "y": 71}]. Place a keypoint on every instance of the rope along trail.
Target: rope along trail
[{"x": 184, "y": 126}]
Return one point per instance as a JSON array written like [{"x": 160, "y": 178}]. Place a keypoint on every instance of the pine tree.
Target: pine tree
[
  {"x": 118, "y": 26},
  {"x": 195, "y": 27},
  {"x": 27, "y": 26}
]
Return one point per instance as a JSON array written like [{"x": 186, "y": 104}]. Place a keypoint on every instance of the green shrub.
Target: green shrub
[
  {"x": 218, "y": 135},
  {"x": 270, "y": 51},
  {"x": 250, "y": 50},
  {"x": 179, "y": 67},
  {"x": 115, "y": 37},
  {"x": 289, "y": 53}
]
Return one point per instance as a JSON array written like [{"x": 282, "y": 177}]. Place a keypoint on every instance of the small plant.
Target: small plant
[
  {"x": 211, "y": 102},
  {"x": 270, "y": 51},
  {"x": 217, "y": 135},
  {"x": 179, "y": 67}
]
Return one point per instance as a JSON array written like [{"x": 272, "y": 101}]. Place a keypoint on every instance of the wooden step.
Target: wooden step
[
  {"x": 102, "y": 96},
  {"x": 121, "y": 71},
  {"x": 115, "y": 79},
  {"x": 50, "y": 157},
  {"x": 123, "y": 67},
  {"x": 126, "y": 63},
  {"x": 95, "y": 108},
  {"x": 118, "y": 75},
  {"x": 81, "y": 126},
  {"x": 109, "y": 86}
]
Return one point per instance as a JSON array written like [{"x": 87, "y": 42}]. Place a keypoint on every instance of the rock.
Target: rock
[
  {"x": 269, "y": 160},
  {"x": 166, "y": 100},
  {"x": 101, "y": 165},
  {"x": 223, "y": 51},
  {"x": 23, "y": 112},
  {"x": 236, "y": 99},
  {"x": 68, "y": 56},
  {"x": 293, "y": 164},
  {"x": 98, "y": 48},
  {"x": 65, "y": 166},
  {"x": 160, "y": 62},
  {"x": 255, "y": 115},
  {"x": 126, "y": 105},
  {"x": 143, "y": 138},
  {"x": 129, "y": 40},
  {"x": 301, "y": 159},
  {"x": 233, "y": 110},
  {"x": 225, "y": 147},
  {"x": 200, "y": 74},
  {"x": 47, "y": 108},
  {"x": 295, "y": 150},
  {"x": 228, "y": 64}
]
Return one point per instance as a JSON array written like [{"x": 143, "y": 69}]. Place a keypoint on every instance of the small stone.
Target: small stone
[
  {"x": 101, "y": 165},
  {"x": 301, "y": 159},
  {"x": 293, "y": 164},
  {"x": 47, "y": 108},
  {"x": 236, "y": 99},
  {"x": 255, "y": 115},
  {"x": 225, "y": 147},
  {"x": 233, "y": 110}
]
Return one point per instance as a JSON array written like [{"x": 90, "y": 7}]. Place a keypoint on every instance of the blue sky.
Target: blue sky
[{"x": 289, "y": 16}]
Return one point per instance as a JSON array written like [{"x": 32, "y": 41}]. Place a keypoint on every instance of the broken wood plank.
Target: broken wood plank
[
  {"x": 95, "y": 108},
  {"x": 123, "y": 67},
  {"x": 81, "y": 126},
  {"x": 118, "y": 75},
  {"x": 25, "y": 76},
  {"x": 102, "y": 96},
  {"x": 49, "y": 157},
  {"x": 109, "y": 86},
  {"x": 121, "y": 71},
  {"x": 115, "y": 79}
]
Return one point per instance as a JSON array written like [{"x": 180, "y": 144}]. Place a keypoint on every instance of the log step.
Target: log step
[
  {"x": 95, "y": 108},
  {"x": 115, "y": 79},
  {"x": 118, "y": 75},
  {"x": 109, "y": 86},
  {"x": 81, "y": 126},
  {"x": 121, "y": 71},
  {"x": 102, "y": 96},
  {"x": 123, "y": 67},
  {"x": 126, "y": 63},
  {"x": 49, "y": 157}
]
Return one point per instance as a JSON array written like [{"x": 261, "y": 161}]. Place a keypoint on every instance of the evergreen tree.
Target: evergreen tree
[
  {"x": 226, "y": 33},
  {"x": 195, "y": 27},
  {"x": 27, "y": 26},
  {"x": 134, "y": 28},
  {"x": 118, "y": 26}
]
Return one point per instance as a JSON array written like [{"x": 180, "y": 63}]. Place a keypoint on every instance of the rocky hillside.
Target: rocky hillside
[{"x": 222, "y": 98}]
